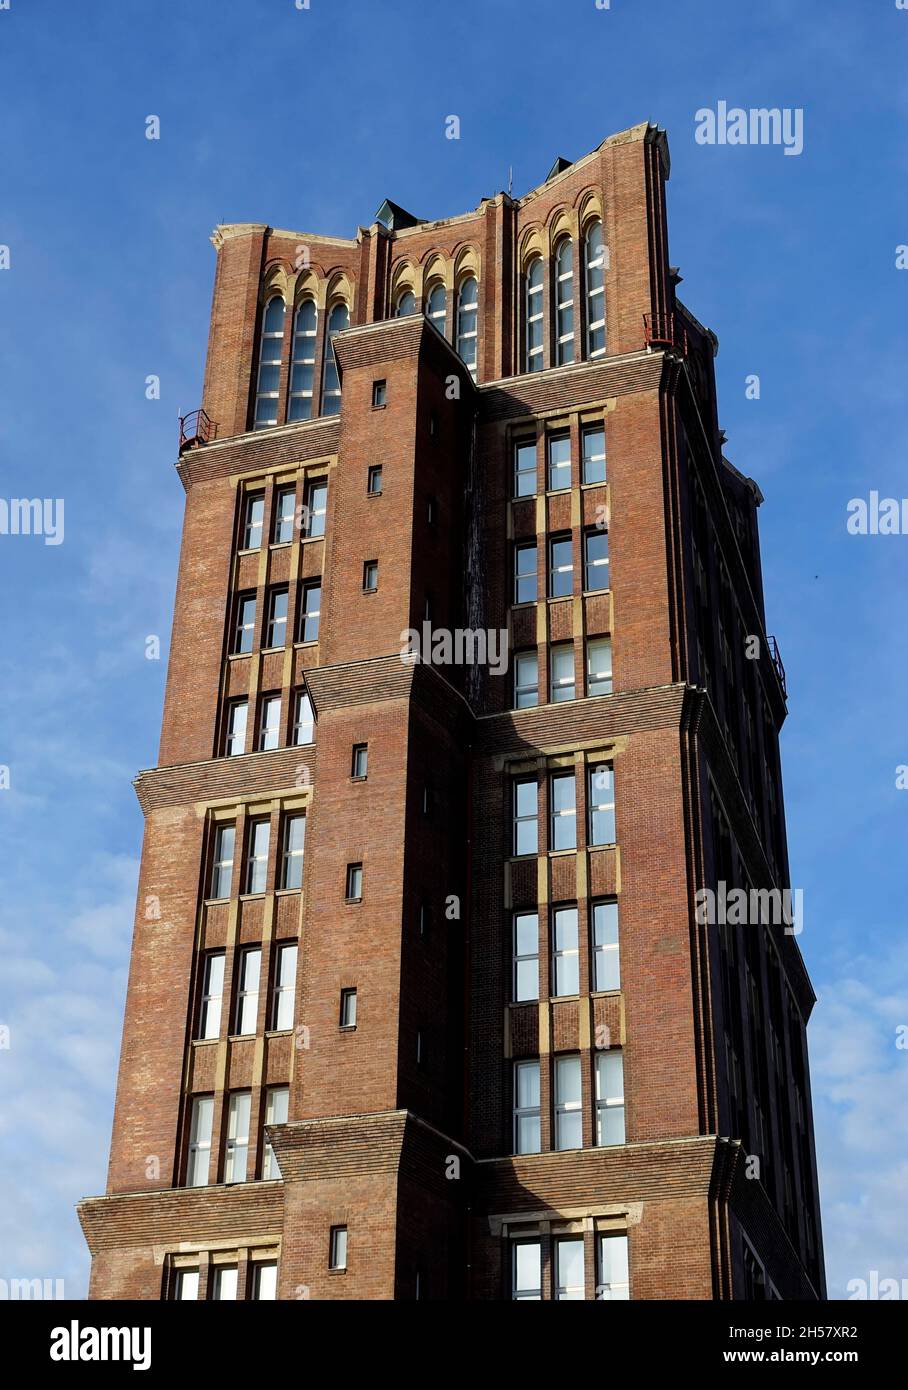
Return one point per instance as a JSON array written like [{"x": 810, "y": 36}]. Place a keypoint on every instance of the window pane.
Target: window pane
[
  {"x": 594, "y": 456},
  {"x": 527, "y": 1267},
  {"x": 559, "y": 461},
  {"x": 527, "y": 1084},
  {"x": 599, "y": 666},
  {"x": 524, "y": 574},
  {"x": 596, "y": 560},
  {"x": 566, "y": 948},
  {"x": 561, "y": 568},
  {"x": 614, "y": 1276},
  {"x": 562, "y": 682},
  {"x": 224, "y": 1282},
  {"x": 304, "y": 730},
  {"x": 605, "y": 946},
  {"x": 187, "y": 1285},
  {"x": 264, "y": 1282},
  {"x": 525, "y": 469},
  {"x": 563, "y": 793},
  {"x": 569, "y": 1276},
  {"x": 526, "y": 680}
]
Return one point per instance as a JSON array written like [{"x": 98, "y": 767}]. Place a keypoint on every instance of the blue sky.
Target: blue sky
[{"x": 307, "y": 119}]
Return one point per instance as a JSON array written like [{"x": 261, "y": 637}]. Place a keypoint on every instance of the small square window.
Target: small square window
[
  {"x": 360, "y": 763},
  {"x": 354, "y": 890},
  {"x": 379, "y": 394},
  {"x": 348, "y": 1008},
  {"x": 370, "y": 576},
  {"x": 338, "y": 1248},
  {"x": 373, "y": 485}
]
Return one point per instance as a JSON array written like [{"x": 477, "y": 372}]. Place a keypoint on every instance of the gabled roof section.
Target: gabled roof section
[
  {"x": 558, "y": 167},
  {"x": 394, "y": 217}
]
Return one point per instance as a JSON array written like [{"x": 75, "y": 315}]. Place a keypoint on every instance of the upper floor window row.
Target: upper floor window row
[
  {"x": 308, "y": 519},
  {"x": 302, "y": 393},
  {"x": 563, "y": 290}
]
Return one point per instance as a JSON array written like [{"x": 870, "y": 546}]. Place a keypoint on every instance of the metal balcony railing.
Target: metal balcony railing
[
  {"x": 665, "y": 332},
  {"x": 196, "y": 429}
]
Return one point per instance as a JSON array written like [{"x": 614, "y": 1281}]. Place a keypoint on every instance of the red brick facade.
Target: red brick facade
[{"x": 401, "y": 1128}]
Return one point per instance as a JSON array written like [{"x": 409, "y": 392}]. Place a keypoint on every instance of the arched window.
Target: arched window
[
  {"x": 594, "y": 268},
  {"x": 302, "y": 371},
  {"x": 564, "y": 302},
  {"x": 533, "y": 332},
  {"x": 437, "y": 306},
  {"x": 269, "y": 379},
  {"x": 406, "y": 303},
  {"x": 467, "y": 316},
  {"x": 338, "y": 320}
]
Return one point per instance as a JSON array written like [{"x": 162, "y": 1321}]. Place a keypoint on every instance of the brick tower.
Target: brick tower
[{"x": 421, "y": 1004}]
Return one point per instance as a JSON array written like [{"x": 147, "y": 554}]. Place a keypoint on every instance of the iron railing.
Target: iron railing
[{"x": 196, "y": 428}]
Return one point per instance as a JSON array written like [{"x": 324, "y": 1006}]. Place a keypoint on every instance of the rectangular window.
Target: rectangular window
[
  {"x": 569, "y": 1277},
  {"x": 595, "y": 561},
  {"x": 257, "y": 860},
  {"x": 264, "y": 1281},
  {"x": 247, "y": 1000},
  {"x": 613, "y": 1277},
  {"x": 379, "y": 393},
  {"x": 373, "y": 483},
  {"x": 337, "y": 1258},
  {"x": 594, "y": 454},
  {"x": 270, "y": 722},
  {"x": 526, "y": 680},
  {"x": 561, "y": 681},
  {"x": 237, "y": 715},
  {"x": 359, "y": 767},
  {"x": 526, "y": 956},
  {"x": 200, "y": 1141},
  {"x": 277, "y": 1108},
  {"x": 237, "y": 1153},
  {"x": 284, "y": 987},
  {"x": 606, "y": 963},
  {"x": 284, "y": 515},
  {"x": 348, "y": 1008},
  {"x": 525, "y": 468},
  {"x": 561, "y": 567},
  {"x": 370, "y": 576},
  {"x": 212, "y": 995},
  {"x": 526, "y": 1271},
  {"x": 252, "y": 522},
  {"x": 599, "y": 666},
  {"x": 609, "y": 1098},
  {"x": 527, "y": 1137},
  {"x": 187, "y": 1285},
  {"x": 222, "y": 870},
  {"x": 568, "y": 1105},
  {"x": 294, "y": 852},
  {"x": 526, "y": 817},
  {"x": 563, "y": 811},
  {"x": 525, "y": 573},
  {"x": 602, "y": 804},
  {"x": 316, "y": 509},
  {"x": 559, "y": 462},
  {"x": 304, "y": 722},
  {"x": 276, "y": 631},
  {"x": 244, "y": 629},
  {"x": 565, "y": 951},
  {"x": 354, "y": 885},
  {"x": 312, "y": 603},
  {"x": 223, "y": 1283}
]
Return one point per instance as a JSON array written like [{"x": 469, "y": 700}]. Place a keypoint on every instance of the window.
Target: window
[
  {"x": 525, "y": 468},
  {"x": 595, "y": 568},
  {"x": 264, "y": 1281},
  {"x": 526, "y": 1271},
  {"x": 312, "y": 603},
  {"x": 354, "y": 884},
  {"x": 224, "y": 1279},
  {"x": 534, "y": 310},
  {"x": 420, "y": 1049},
  {"x": 561, "y": 567},
  {"x": 564, "y": 302},
  {"x": 276, "y": 632},
  {"x": 527, "y": 1135},
  {"x": 277, "y": 1108},
  {"x": 247, "y": 998},
  {"x": 257, "y": 861},
  {"x": 526, "y": 817},
  {"x": 599, "y": 666},
  {"x": 359, "y": 767},
  {"x": 594, "y": 275},
  {"x": 252, "y": 525},
  {"x": 563, "y": 811},
  {"x": 609, "y": 1098},
  {"x": 284, "y": 987},
  {"x": 437, "y": 306},
  {"x": 316, "y": 507},
  {"x": 525, "y": 573},
  {"x": 602, "y": 805},
  {"x": 569, "y": 1278},
  {"x": 379, "y": 394},
  {"x": 337, "y": 1256},
  {"x": 212, "y": 995},
  {"x": 237, "y": 713},
  {"x": 302, "y": 369},
  {"x": 467, "y": 317},
  {"x": 561, "y": 682},
  {"x": 431, "y": 510},
  {"x": 754, "y": 1277},
  {"x": 526, "y": 956},
  {"x": 294, "y": 851},
  {"x": 270, "y": 350},
  {"x": 593, "y": 441},
  {"x": 370, "y": 576},
  {"x": 270, "y": 722},
  {"x": 373, "y": 482},
  {"x": 606, "y": 961},
  {"x": 526, "y": 680},
  {"x": 304, "y": 723},
  {"x": 406, "y": 304},
  {"x": 565, "y": 952},
  {"x": 613, "y": 1278},
  {"x": 244, "y": 628},
  {"x": 237, "y": 1154},
  {"x": 222, "y": 871},
  {"x": 200, "y": 1141},
  {"x": 338, "y": 320},
  {"x": 348, "y": 1008},
  {"x": 284, "y": 515},
  {"x": 187, "y": 1285},
  {"x": 559, "y": 461},
  {"x": 568, "y": 1108}
]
